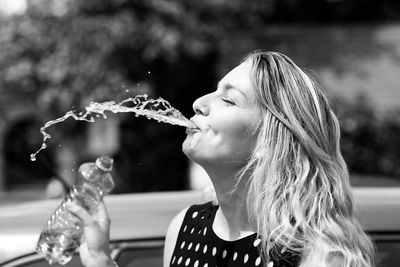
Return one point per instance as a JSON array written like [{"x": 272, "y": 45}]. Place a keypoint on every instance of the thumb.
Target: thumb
[{"x": 102, "y": 216}]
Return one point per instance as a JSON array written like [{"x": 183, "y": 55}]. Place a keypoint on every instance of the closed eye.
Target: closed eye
[{"x": 228, "y": 101}]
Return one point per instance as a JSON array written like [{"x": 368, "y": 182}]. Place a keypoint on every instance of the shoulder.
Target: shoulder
[
  {"x": 172, "y": 235},
  {"x": 174, "y": 228}
]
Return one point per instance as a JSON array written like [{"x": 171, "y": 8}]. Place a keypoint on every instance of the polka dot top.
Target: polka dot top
[{"x": 198, "y": 246}]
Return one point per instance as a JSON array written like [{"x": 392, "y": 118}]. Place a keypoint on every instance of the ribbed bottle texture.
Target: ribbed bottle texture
[{"x": 63, "y": 231}]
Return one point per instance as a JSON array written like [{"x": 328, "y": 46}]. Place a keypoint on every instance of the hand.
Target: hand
[{"x": 95, "y": 245}]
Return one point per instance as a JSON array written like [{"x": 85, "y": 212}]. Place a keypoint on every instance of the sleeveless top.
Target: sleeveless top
[{"x": 198, "y": 246}]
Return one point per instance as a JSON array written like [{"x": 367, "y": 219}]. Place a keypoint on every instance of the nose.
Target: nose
[{"x": 200, "y": 106}]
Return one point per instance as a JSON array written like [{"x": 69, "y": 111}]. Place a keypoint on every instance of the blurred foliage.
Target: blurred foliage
[
  {"x": 370, "y": 141},
  {"x": 70, "y": 52},
  {"x": 63, "y": 54},
  {"x": 66, "y": 53},
  {"x": 18, "y": 166}
]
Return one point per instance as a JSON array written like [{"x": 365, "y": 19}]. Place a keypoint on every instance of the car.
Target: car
[{"x": 140, "y": 221}]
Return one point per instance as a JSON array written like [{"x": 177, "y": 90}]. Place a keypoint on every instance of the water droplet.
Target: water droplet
[{"x": 140, "y": 105}]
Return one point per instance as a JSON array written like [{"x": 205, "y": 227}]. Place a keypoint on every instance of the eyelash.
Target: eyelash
[{"x": 226, "y": 100}]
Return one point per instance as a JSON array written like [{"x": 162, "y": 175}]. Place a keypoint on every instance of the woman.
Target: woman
[{"x": 270, "y": 144}]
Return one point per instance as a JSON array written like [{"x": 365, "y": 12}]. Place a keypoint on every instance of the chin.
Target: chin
[
  {"x": 189, "y": 146},
  {"x": 189, "y": 152},
  {"x": 198, "y": 153},
  {"x": 185, "y": 147}
]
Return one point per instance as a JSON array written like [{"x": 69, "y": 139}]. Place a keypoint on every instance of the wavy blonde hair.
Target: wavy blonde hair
[{"x": 299, "y": 192}]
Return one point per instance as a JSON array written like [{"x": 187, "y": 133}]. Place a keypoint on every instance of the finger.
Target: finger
[
  {"x": 80, "y": 212},
  {"x": 84, "y": 253},
  {"x": 101, "y": 209},
  {"x": 102, "y": 215}
]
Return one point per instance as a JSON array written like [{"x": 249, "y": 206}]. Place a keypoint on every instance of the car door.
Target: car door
[{"x": 127, "y": 253}]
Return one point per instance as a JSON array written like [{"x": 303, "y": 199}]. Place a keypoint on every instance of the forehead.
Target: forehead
[{"x": 239, "y": 77}]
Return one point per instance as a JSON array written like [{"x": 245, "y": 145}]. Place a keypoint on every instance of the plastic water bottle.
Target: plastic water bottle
[{"x": 62, "y": 233}]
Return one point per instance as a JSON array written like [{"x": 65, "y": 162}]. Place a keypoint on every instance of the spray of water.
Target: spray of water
[{"x": 157, "y": 109}]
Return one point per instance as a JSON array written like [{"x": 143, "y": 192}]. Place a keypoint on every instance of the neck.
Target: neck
[{"x": 231, "y": 220}]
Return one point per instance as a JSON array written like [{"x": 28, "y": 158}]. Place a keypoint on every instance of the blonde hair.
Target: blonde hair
[{"x": 299, "y": 192}]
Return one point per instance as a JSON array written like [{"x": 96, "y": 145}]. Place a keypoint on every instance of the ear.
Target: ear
[{"x": 335, "y": 259}]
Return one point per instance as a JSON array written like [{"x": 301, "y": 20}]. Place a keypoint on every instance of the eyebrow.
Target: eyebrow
[{"x": 228, "y": 86}]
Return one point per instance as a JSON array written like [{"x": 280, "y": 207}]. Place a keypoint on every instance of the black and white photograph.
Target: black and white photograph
[{"x": 213, "y": 133}]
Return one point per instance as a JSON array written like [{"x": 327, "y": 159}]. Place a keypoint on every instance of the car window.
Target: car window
[
  {"x": 358, "y": 180},
  {"x": 139, "y": 253},
  {"x": 144, "y": 254},
  {"x": 388, "y": 248},
  {"x": 35, "y": 260},
  {"x": 141, "y": 258},
  {"x": 388, "y": 253}
]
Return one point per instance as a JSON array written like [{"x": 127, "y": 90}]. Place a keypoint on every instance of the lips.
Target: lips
[
  {"x": 193, "y": 127},
  {"x": 192, "y": 130}
]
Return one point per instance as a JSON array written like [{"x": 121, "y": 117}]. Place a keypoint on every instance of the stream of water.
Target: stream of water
[{"x": 157, "y": 109}]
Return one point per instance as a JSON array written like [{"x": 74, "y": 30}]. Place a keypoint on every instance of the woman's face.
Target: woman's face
[{"x": 225, "y": 122}]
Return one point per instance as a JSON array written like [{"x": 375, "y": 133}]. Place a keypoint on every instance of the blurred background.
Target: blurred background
[{"x": 60, "y": 55}]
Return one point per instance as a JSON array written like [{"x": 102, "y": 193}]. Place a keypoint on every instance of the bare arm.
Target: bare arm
[
  {"x": 94, "y": 250},
  {"x": 172, "y": 236}
]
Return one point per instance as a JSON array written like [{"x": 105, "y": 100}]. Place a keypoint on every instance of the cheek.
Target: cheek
[
  {"x": 244, "y": 133},
  {"x": 228, "y": 138},
  {"x": 236, "y": 141},
  {"x": 237, "y": 132}
]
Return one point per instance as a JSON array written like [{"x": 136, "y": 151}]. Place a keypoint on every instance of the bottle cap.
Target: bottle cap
[{"x": 104, "y": 163}]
